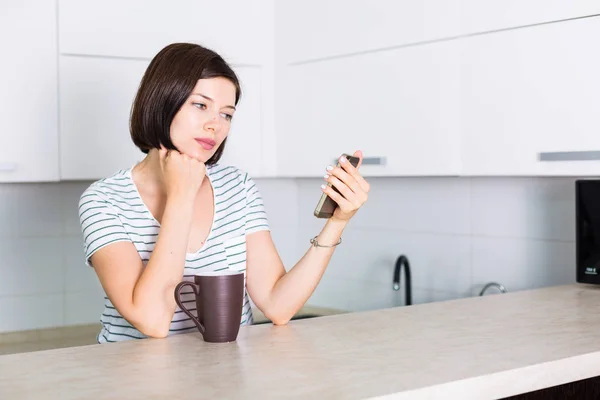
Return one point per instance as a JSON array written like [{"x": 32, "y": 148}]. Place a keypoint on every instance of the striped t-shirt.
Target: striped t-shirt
[{"x": 111, "y": 210}]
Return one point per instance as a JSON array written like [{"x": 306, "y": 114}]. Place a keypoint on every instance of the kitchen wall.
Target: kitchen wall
[{"x": 458, "y": 233}]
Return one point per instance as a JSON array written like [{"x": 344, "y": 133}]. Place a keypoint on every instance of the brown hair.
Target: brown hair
[{"x": 164, "y": 88}]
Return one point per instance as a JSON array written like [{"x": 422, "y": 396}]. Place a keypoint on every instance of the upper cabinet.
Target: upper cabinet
[
  {"x": 351, "y": 82},
  {"x": 530, "y": 101},
  {"x": 104, "y": 50},
  {"x": 397, "y": 106},
  {"x": 466, "y": 87},
  {"x": 430, "y": 87},
  {"x": 342, "y": 28},
  {"x": 28, "y": 99},
  {"x": 95, "y": 100}
]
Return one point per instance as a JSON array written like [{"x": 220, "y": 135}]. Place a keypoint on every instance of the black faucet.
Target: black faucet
[{"x": 402, "y": 260}]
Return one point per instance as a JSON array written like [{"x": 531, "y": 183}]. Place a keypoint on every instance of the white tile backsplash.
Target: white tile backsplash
[
  {"x": 30, "y": 266},
  {"x": 83, "y": 307},
  {"x": 524, "y": 208},
  {"x": 432, "y": 205},
  {"x": 31, "y": 312},
  {"x": 521, "y": 264},
  {"x": 458, "y": 233},
  {"x": 30, "y": 210}
]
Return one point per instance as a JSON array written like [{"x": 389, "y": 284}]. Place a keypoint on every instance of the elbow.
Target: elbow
[
  {"x": 280, "y": 321},
  {"x": 156, "y": 329},
  {"x": 278, "y": 318},
  {"x": 155, "y": 332}
]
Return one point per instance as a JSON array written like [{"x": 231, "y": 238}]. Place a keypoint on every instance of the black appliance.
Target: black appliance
[{"x": 587, "y": 230}]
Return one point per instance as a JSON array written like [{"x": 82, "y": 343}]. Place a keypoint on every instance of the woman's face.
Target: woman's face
[{"x": 203, "y": 122}]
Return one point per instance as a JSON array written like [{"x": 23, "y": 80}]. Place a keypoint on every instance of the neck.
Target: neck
[{"x": 148, "y": 174}]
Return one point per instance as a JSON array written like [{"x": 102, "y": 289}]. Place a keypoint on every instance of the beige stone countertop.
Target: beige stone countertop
[{"x": 475, "y": 348}]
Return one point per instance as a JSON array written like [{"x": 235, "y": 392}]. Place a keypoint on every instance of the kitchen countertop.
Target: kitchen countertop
[{"x": 475, "y": 348}]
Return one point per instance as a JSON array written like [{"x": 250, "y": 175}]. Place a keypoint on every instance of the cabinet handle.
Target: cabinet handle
[
  {"x": 7, "y": 167},
  {"x": 588, "y": 155},
  {"x": 370, "y": 161}
]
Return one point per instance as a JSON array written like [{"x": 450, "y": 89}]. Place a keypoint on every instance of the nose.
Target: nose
[{"x": 212, "y": 124}]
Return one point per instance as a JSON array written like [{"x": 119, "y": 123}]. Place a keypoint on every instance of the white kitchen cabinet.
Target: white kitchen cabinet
[
  {"x": 28, "y": 99},
  {"x": 479, "y": 16},
  {"x": 96, "y": 95},
  {"x": 95, "y": 104},
  {"x": 397, "y": 105},
  {"x": 391, "y": 77},
  {"x": 105, "y": 48},
  {"x": 240, "y": 30},
  {"x": 528, "y": 92},
  {"x": 342, "y": 27}
]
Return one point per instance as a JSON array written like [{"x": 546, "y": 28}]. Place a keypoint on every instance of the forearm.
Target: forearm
[
  {"x": 294, "y": 288},
  {"x": 153, "y": 293}
]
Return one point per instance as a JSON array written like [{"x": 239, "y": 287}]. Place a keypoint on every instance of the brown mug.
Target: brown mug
[{"x": 219, "y": 301}]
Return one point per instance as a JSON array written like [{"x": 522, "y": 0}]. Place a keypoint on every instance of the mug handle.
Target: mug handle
[{"x": 196, "y": 289}]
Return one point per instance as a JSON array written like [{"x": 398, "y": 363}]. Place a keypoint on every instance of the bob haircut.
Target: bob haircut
[{"x": 164, "y": 88}]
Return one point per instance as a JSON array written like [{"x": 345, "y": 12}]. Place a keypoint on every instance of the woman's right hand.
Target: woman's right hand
[{"x": 182, "y": 174}]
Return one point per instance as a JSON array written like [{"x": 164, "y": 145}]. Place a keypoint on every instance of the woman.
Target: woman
[{"x": 178, "y": 212}]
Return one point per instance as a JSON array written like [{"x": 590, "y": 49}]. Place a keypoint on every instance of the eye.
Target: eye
[
  {"x": 201, "y": 106},
  {"x": 228, "y": 117}
]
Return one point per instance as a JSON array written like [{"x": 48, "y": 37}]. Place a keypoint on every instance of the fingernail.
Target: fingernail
[
  {"x": 323, "y": 186},
  {"x": 343, "y": 159},
  {"x": 326, "y": 176},
  {"x": 329, "y": 168}
]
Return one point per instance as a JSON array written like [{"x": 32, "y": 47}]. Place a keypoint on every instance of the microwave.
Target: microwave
[{"x": 587, "y": 230}]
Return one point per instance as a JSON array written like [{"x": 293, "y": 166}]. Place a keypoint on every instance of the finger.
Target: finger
[
  {"x": 348, "y": 167},
  {"x": 344, "y": 177},
  {"x": 341, "y": 186},
  {"x": 360, "y": 155},
  {"x": 335, "y": 196},
  {"x": 354, "y": 170}
]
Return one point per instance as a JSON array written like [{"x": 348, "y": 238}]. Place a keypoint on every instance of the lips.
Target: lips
[{"x": 207, "y": 144}]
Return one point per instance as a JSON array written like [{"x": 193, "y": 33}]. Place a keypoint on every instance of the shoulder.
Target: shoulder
[
  {"x": 227, "y": 176},
  {"x": 232, "y": 184},
  {"x": 218, "y": 172},
  {"x": 110, "y": 190}
]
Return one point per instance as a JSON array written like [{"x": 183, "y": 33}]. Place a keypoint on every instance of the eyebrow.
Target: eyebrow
[{"x": 208, "y": 98}]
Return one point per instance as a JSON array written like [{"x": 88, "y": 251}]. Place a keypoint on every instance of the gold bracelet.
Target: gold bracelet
[{"x": 314, "y": 242}]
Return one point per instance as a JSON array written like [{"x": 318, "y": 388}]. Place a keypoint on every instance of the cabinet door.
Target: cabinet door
[
  {"x": 95, "y": 102},
  {"x": 28, "y": 99},
  {"x": 399, "y": 106},
  {"x": 241, "y": 30},
  {"x": 342, "y": 27},
  {"x": 530, "y": 95},
  {"x": 105, "y": 48}
]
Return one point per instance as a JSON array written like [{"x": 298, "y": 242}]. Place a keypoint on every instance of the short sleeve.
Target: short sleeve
[
  {"x": 256, "y": 215},
  {"x": 100, "y": 224}
]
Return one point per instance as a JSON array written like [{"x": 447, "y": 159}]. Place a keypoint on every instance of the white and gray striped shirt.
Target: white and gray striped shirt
[{"x": 111, "y": 210}]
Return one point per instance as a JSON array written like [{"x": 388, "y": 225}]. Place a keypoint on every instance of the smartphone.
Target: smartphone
[{"x": 327, "y": 205}]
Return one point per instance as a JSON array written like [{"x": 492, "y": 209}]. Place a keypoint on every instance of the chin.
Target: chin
[
  {"x": 204, "y": 156},
  {"x": 200, "y": 155}
]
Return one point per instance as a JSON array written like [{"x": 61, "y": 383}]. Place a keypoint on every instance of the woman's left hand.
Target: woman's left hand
[{"x": 353, "y": 187}]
